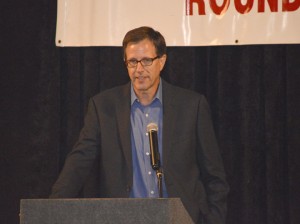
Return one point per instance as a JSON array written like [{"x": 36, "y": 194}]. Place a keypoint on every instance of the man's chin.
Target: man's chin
[{"x": 141, "y": 88}]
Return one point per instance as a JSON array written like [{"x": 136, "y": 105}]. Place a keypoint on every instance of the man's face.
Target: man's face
[{"x": 145, "y": 79}]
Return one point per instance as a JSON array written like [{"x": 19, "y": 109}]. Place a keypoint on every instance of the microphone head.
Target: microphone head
[{"x": 152, "y": 127}]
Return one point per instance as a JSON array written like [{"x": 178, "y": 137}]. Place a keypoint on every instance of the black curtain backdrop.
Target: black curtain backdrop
[{"x": 253, "y": 92}]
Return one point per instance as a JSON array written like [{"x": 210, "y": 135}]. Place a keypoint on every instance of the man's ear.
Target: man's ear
[{"x": 162, "y": 61}]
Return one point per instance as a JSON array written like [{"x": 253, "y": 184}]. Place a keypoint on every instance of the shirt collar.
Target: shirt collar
[{"x": 158, "y": 94}]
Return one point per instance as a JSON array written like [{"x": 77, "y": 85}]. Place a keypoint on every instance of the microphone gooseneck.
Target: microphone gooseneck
[{"x": 152, "y": 130}]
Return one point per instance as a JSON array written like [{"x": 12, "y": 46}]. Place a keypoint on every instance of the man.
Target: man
[{"x": 115, "y": 133}]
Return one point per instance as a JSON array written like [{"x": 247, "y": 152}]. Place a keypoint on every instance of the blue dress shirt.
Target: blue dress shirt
[{"x": 144, "y": 177}]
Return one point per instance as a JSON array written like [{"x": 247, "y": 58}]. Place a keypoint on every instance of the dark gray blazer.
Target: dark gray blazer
[{"x": 193, "y": 168}]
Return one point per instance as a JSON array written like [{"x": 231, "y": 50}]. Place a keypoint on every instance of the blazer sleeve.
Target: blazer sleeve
[
  {"x": 211, "y": 167},
  {"x": 80, "y": 160}
]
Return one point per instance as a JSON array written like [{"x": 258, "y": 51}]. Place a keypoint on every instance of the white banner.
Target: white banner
[{"x": 181, "y": 22}]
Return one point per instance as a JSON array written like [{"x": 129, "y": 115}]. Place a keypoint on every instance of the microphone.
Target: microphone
[{"x": 152, "y": 129}]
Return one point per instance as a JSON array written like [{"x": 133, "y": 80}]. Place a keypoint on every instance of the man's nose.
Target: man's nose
[{"x": 139, "y": 66}]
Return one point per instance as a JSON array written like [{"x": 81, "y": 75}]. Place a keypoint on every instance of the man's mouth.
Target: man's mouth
[{"x": 140, "y": 78}]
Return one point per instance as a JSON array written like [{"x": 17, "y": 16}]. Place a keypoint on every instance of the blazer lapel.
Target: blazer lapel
[
  {"x": 169, "y": 112},
  {"x": 123, "y": 121}
]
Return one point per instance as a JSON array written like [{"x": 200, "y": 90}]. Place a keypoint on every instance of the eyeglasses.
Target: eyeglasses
[{"x": 144, "y": 61}]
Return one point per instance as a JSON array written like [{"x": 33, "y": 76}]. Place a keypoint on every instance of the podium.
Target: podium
[{"x": 104, "y": 211}]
